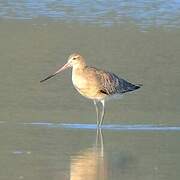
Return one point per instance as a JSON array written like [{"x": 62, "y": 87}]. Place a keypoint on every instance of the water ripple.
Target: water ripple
[
  {"x": 119, "y": 127},
  {"x": 144, "y": 13}
]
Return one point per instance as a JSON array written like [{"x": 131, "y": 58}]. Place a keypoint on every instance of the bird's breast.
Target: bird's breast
[
  {"x": 85, "y": 85},
  {"x": 79, "y": 81}
]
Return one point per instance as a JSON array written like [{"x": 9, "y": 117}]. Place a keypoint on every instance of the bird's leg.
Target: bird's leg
[
  {"x": 97, "y": 111},
  {"x": 103, "y": 112},
  {"x": 102, "y": 143},
  {"x": 97, "y": 136}
]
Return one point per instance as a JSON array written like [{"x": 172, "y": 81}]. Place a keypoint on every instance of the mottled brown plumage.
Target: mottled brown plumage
[{"x": 93, "y": 83}]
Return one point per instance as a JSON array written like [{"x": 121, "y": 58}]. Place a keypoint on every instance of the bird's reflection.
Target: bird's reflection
[{"x": 90, "y": 164}]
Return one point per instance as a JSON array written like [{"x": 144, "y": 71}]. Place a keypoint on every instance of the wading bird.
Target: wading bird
[{"x": 95, "y": 84}]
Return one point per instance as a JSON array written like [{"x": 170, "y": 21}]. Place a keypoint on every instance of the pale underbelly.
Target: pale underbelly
[{"x": 90, "y": 93}]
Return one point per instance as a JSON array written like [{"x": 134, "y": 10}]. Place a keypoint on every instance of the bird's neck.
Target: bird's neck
[{"x": 79, "y": 67}]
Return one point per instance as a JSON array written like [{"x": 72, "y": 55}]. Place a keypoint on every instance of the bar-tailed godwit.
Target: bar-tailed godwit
[{"x": 95, "y": 84}]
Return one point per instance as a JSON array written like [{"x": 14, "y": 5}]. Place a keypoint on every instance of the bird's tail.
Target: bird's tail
[{"x": 139, "y": 85}]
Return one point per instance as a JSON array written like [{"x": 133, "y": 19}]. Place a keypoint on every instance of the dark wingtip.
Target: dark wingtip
[
  {"x": 136, "y": 87},
  {"x": 50, "y": 76}
]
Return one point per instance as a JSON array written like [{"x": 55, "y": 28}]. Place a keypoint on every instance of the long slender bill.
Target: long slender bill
[
  {"x": 58, "y": 71},
  {"x": 48, "y": 77}
]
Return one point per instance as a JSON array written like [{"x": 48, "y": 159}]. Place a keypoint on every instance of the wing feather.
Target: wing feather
[{"x": 112, "y": 84}]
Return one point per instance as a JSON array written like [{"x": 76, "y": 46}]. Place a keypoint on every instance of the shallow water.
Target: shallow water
[
  {"x": 30, "y": 50},
  {"x": 48, "y": 130},
  {"x": 144, "y": 13},
  {"x": 37, "y": 151}
]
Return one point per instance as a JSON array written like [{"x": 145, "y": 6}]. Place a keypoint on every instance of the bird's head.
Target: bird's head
[{"x": 75, "y": 60}]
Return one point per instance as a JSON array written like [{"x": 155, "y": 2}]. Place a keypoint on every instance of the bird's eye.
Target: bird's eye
[{"x": 74, "y": 58}]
